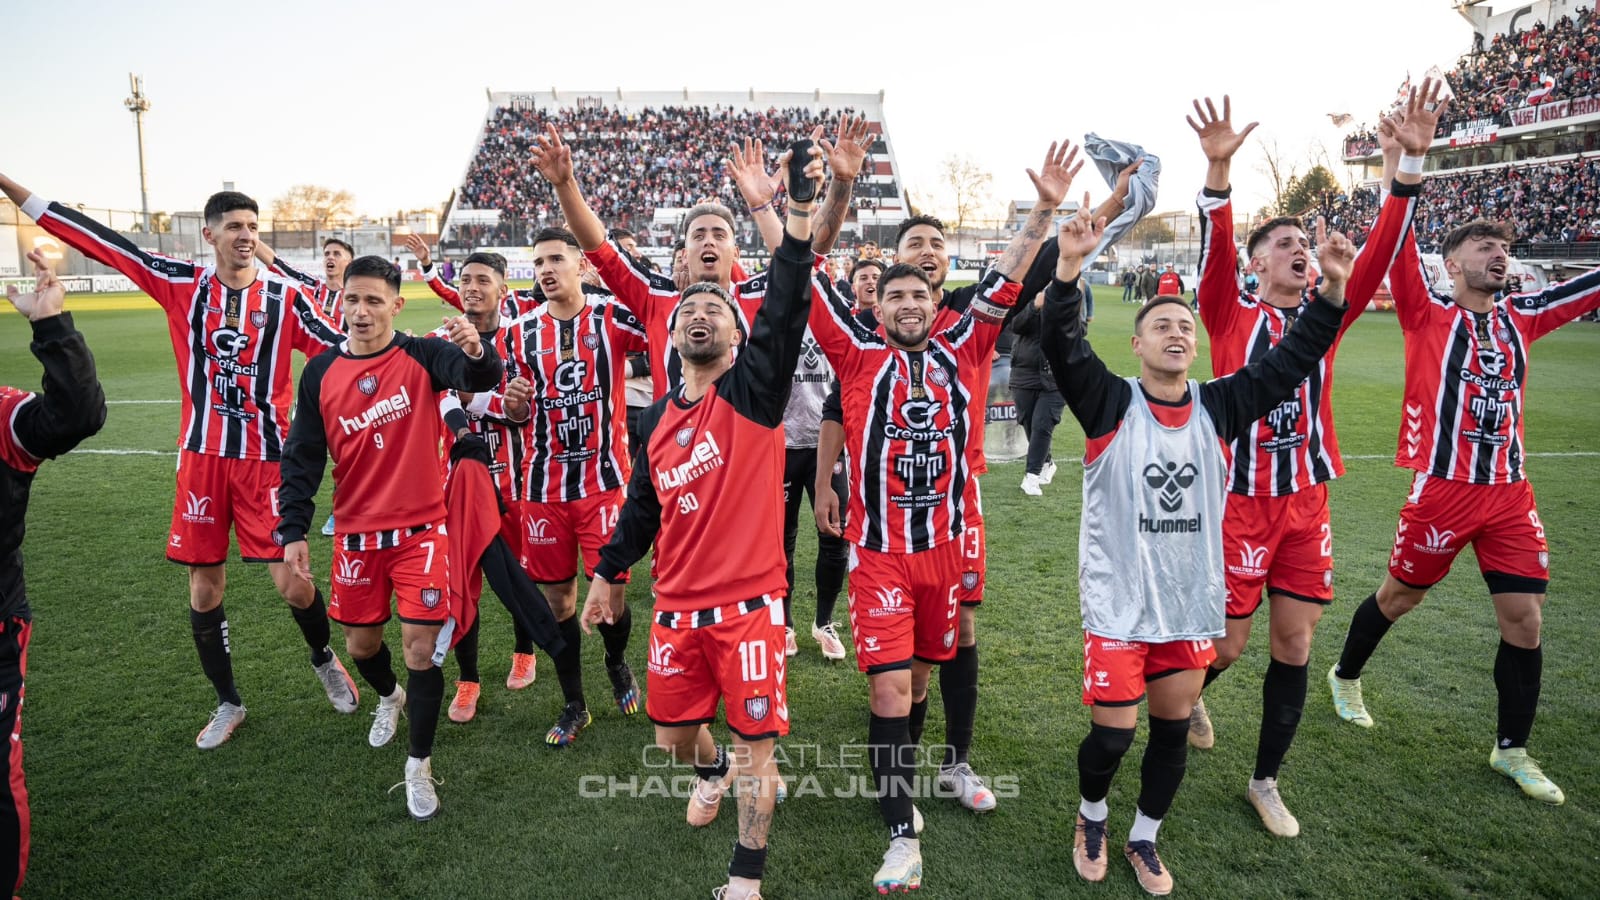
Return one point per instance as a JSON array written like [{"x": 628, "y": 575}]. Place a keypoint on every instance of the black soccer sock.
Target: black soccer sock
[
  {"x": 918, "y": 717},
  {"x": 1099, "y": 756},
  {"x": 313, "y": 622},
  {"x": 958, "y": 688},
  {"x": 748, "y": 862},
  {"x": 718, "y": 768},
  {"x": 466, "y": 652},
  {"x": 1517, "y": 675},
  {"x": 615, "y": 637},
  {"x": 1211, "y": 675},
  {"x": 1283, "y": 697},
  {"x": 833, "y": 558},
  {"x": 1166, "y": 755},
  {"x": 424, "y": 695},
  {"x": 216, "y": 660},
  {"x": 569, "y": 662},
  {"x": 889, "y": 743},
  {"x": 378, "y": 671},
  {"x": 524, "y": 640},
  {"x": 1367, "y": 628}
]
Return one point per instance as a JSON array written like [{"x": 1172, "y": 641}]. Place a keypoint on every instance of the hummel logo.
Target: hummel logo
[{"x": 1171, "y": 481}]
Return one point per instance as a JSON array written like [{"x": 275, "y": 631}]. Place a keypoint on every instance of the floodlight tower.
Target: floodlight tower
[{"x": 139, "y": 104}]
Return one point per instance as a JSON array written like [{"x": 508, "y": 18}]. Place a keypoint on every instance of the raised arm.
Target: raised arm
[
  {"x": 443, "y": 289},
  {"x": 747, "y": 167},
  {"x": 845, "y": 160},
  {"x": 1096, "y": 397},
  {"x": 69, "y": 405},
  {"x": 1061, "y": 165},
  {"x": 1218, "y": 293},
  {"x": 165, "y": 279},
  {"x": 553, "y": 158}
]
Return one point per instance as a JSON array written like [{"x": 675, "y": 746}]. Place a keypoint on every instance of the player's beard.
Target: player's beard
[
  {"x": 1482, "y": 280},
  {"x": 907, "y": 338},
  {"x": 703, "y": 354}
]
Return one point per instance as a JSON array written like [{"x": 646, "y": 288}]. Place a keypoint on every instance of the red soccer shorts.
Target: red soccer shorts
[
  {"x": 904, "y": 605},
  {"x": 974, "y": 546},
  {"x": 552, "y": 534},
  {"x": 1500, "y": 521},
  {"x": 416, "y": 572},
  {"x": 1115, "y": 671},
  {"x": 216, "y": 493},
  {"x": 1283, "y": 544},
  {"x": 738, "y": 661}
]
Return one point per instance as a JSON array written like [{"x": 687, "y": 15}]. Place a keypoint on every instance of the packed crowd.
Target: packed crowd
[
  {"x": 1500, "y": 75},
  {"x": 630, "y": 163},
  {"x": 1545, "y": 202}
]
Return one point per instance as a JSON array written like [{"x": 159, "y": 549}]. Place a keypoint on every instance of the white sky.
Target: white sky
[{"x": 383, "y": 99}]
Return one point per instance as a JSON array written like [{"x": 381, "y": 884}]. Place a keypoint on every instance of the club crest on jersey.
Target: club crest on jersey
[
  {"x": 1503, "y": 333},
  {"x": 939, "y": 376},
  {"x": 591, "y": 341},
  {"x": 1544, "y": 559},
  {"x": 431, "y": 597},
  {"x": 258, "y": 318},
  {"x": 949, "y": 638},
  {"x": 684, "y": 434},
  {"x": 367, "y": 384},
  {"x": 757, "y": 707},
  {"x": 969, "y": 581}
]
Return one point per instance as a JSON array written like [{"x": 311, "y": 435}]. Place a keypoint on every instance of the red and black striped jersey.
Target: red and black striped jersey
[
  {"x": 577, "y": 430},
  {"x": 707, "y": 486},
  {"x": 515, "y": 303},
  {"x": 653, "y": 298},
  {"x": 909, "y": 416},
  {"x": 485, "y": 412},
  {"x": 377, "y": 416},
  {"x": 1295, "y": 446},
  {"x": 1465, "y": 371},
  {"x": 232, "y": 346}
]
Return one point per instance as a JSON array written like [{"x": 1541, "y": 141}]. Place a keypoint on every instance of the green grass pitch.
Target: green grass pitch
[{"x": 296, "y": 804}]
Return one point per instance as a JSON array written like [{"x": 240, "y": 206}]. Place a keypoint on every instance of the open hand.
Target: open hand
[{"x": 1218, "y": 140}]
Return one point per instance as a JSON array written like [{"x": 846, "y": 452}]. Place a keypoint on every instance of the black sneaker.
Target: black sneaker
[
  {"x": 574, "y": 718},
  {"x": 624, "y": 688}
]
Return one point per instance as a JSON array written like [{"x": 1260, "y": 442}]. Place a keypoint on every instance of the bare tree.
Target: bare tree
[
  {"x": 312, "y": 206},
  {"x": 967, "y": 185},
  {"x": 1280, "y": 171}
]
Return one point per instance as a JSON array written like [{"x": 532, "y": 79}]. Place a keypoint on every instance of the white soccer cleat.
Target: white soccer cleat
[
  {"x": 1031, "y": 485},
  {"x": 337, "y": 683},
  {"x": 827, "y": 637},
  {"x": 1264, "y": 796},
  {"x": 217, "y": 731},
  {"x": 902, "y": 867},
  {"x": 386, "y": 718},
  {"x": 422, "y": 798},
  {"x": 968, "y": 787},
  {"x": 1347, "y": 700}
]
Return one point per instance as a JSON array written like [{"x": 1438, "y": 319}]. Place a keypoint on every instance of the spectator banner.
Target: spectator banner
[
  {"x": 1555, "y": 112},
  {"x": 1475, "y": 131}
]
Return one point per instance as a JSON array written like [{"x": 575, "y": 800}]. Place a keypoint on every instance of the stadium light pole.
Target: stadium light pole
[{"x": 139, "y": 104}]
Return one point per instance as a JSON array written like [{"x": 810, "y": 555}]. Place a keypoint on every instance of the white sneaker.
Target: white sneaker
[
  {"x": 1264, "y": 796},
  {"x": 217, "y": 731},
  {"x": 827, "y": 637},
  {"x": 422, "y": 799},
  {"x": 337, "y": 683},
  {"x": 968, "y": 787},
  {"x": 902, "y": 867},
  {"x": 1031, "y": 485},
  {"x": 386, "y": 718},
  {"x": 790, "y": 648},
  {"x": 1047, "y": 472}
]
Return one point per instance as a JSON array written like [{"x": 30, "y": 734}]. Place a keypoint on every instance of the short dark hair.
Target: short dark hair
[
  {"x": 913, "y": 222},
  {"x": 1266, "y": 228},
  {"x": 680, "y": 244},
  {"x": 615, "y": 234},
  {"x": 1477, "y": 228},
  {"x": 341, "y": 242},
  {"x": 904, "y": 270},
  {"x": 708, "y": 287},
  {"x": 223, "y": 202},
  {"x": 1152, "y": 303},
  {"x": 566, "y": 237},
  {"x": 868, "y": 262},
  {"x": 708, "y": 209},
  {"x": 373, "y": 267},
  {"x": 493, "y": 260}
]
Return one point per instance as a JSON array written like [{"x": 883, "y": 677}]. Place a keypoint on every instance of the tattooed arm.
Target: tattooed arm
[{"x": 1052, "y": 181}]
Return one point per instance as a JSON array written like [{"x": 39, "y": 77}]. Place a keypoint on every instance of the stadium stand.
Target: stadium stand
[{"x": 642, "y": 156}]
